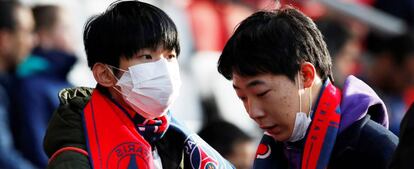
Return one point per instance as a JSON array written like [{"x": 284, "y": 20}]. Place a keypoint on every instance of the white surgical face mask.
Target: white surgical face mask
[
  {"x": 151, "y": 88},
  {"x": 302, "y": 120}
]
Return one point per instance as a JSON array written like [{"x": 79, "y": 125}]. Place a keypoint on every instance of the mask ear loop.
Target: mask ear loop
[
  {"x": 310, "y": 102},
  {"x": 107, "y": 66},
  {"x": 300, "y": 94},
  {"x": 300, "y": 98}
]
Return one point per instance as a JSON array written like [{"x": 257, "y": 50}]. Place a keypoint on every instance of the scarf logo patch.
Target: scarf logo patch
[
  {"x": 129, "y": 155},
  {"x": 198, "y": 156},
  {"x": 263, "y": 151}
]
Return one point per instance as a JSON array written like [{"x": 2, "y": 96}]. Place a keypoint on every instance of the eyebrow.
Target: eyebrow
[{"x": 251, "y": 84}]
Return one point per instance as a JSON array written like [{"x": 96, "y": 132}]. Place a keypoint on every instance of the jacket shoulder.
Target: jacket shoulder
[
  {"x": 67, "y": 95},
  {"x": 65, "y": 127},
  {"x": 365, "y": 144},
  {"x": 379, "y": 142}
]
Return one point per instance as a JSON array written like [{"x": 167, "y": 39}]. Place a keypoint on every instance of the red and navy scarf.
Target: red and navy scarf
[
  {"x": 116, "y": 140},
  {"x": 320, "y": 138}
]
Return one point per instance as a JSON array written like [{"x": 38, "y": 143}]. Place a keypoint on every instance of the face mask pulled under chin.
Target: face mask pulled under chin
[
  {"x": 151, "y": 88},
  {"x": 302, "y": 123},
  {"x": 302, "y": 120}
]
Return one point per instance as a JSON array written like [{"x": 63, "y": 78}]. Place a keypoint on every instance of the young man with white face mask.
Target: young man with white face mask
[
  {"x": 125, "y": 122},
  {"x": 281, "y": 71}
]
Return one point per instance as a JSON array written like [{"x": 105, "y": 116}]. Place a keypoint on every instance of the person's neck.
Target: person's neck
[{"x": 316, "y": 89}]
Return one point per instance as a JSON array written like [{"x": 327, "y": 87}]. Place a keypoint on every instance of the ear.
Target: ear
[
  {"x": 103, "y": 75},
  {"x": 308, "y": 71}
]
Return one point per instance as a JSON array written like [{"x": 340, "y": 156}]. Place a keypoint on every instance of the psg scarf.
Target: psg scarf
[
  {"x": 320, "y": 138},
  {"x": 116, "y": 141}
]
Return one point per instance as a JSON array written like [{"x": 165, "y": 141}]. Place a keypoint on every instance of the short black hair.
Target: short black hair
[
  {"x": 222, "y": 136},
  {"x": 125, "y": 28},
  {"x": 45, "y": 16},
  {"x": 275, "y": 42},
  {"x": 8, "y": 18}
]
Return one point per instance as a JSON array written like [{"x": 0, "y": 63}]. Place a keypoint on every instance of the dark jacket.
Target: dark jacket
[
  {"x": 358, "y": 146},
  {"x": 41, "y": 77},
  {"x": 66, "y": 129},
  {"x": 403, "y": 156},
  {"x": 10, "y": 157},
  {"x": 363, "y": 140}
]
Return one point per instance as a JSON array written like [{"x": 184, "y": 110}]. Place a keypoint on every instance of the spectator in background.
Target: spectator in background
[
  {"x": 387, "y": 71},
  {"x": 403, "y": 48},
  {"x": 390, "y": 72},
  {"x": 16, "y": 26},
  {"x": 41, "y": 77},
  {"x": 231, "y": 142},
  {"x": 342, "y": 46}
]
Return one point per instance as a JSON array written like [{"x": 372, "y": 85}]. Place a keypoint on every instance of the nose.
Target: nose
[{"x": 254, "y": 110}]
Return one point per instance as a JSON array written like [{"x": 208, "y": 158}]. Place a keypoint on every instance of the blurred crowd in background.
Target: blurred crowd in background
[{"x": 41, "y": 52}]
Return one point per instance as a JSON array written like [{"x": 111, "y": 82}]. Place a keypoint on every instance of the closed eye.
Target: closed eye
[{"x": 263, "y": 93}]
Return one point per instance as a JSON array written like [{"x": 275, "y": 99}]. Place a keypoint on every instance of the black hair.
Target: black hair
[
  {"x": 275, "y": 42},
  {"x": 335, "y": 34},
  {"x": 125, "y": 28},
  {"x": 45, "y": 16},
  {"x": 222, "y": 136},
  {"x": 8, "y": 18}
]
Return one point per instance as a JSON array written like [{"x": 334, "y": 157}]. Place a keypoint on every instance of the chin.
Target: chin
[{"x": 280, "y": 137}]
